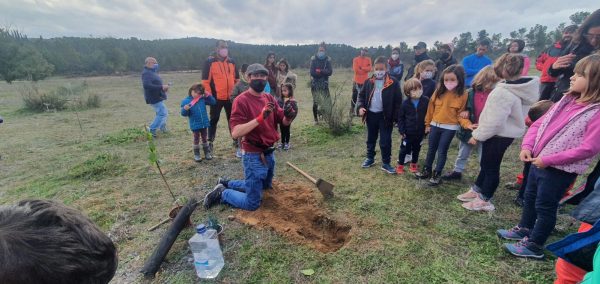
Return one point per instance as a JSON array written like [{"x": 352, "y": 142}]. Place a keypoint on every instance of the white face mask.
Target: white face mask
[
  {"x": 427, "y": 75},
  {"x": 379, "y": 74},
  {"x": 416, "y": 94},
  {"x": 395, "y": 56}
]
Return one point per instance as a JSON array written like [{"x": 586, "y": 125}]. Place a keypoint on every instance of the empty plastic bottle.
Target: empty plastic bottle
[{"x": 208, "y": 258}]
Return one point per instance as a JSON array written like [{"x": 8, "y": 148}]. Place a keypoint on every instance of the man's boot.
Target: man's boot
[
  {"x": 207, "y": 151},
  {"x": 197, "y": 156}
]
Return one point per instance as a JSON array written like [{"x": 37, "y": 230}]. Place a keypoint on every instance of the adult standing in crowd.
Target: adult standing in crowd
[
  {"x": 361, "y": 66},
  {"x": 476, "y": 61},
  {"x": 585, "y": 41},
  {"x": 219, "y": 77},
  {"x": 548, "y": 57},
  {"x": 446, "y": 59},
  {"x": 320, "y": 70},
  {"x": 395, "y": 66},
  {"x": 420, "y": 55},
  {"x": 272, "y": 78},
  {"x": 155, "y": 92},
  {"x": 516, "y": 46}
]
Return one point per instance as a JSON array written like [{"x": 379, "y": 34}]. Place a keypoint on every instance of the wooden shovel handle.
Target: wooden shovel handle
[{"x": 313, "y": 180}]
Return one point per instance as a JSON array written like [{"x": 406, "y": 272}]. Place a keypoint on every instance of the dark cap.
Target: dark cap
[
  {"x": 256, "y": 68},
  {"x": 420, "y": 45}
]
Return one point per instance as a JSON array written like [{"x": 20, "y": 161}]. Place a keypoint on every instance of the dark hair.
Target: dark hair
[
  {"x": 244, "y": 68},
  {"x": 509, "y": 63},
  {"x": 593, "y": 20},
  {"x": 570, "y": 29},
  {"x": 538, "y": 109},
  {"x": 267, "y": 58},
  {"x": 198, "y": 87},
  {"x": 485, "y": 42},
  {"x": 290, "y": 88},
  {"x": 287, "y": 65},
  {"x": 459, "y": 72},
  {"x": 520, "y": 43},
  {"x": 322, "y": 44},
  {"x": 220, "y": 41},
  {"x": 396, "y": 49},
  {"x": 380, "y": 60},
  {"x": 44, "y": 241}
]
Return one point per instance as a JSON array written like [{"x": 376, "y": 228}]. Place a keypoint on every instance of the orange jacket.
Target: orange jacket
[
  {"x": 219, "y": 77},
  {"x": 446, "y": 110},
  {"x": 361, "y": 66}
]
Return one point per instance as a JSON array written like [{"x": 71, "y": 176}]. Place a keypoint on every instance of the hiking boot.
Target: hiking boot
[
  {"x": 479, "y": 204},
  {"x": 470, "y": 195},
  {"x": 213, "y": 197},
  {"x": 367, "y": 163},
  {"x": 436, "y": 178},
  {"x": 453, "y": 175},
  {"x": 514, "y": 234},
  {"x": 399, "y": 169},
  {"x": 519, "y": 201},
  {"x": 197, "y": 156},
  {"x": 207, "y": 151},
  {"x": 414, "y": 168},
  {"x": 286, "y": 146},
  {"x": 238, "y": 153},
  {"x": 425, "y": 173},
  {"x": 224, "y": 181},
  {"x": 388, "y": 169},
  {"x": 525, "y": 248}
]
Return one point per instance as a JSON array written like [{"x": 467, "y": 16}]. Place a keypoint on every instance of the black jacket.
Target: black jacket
[
  {"x": 411, "y": 120},
  {"x": 418, "y": 58},
  {"x": 391, "y": 98},
  {"x": 441, "y": 64},
  {"x": 580, "y": 50},
  {"x": 428, "y": 87},
  {"x": 320, "y": 78}
]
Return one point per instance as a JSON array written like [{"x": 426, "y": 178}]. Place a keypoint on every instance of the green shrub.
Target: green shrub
[
  {"x": 102, "y": 165},
  {"x": 334, "y": 110},
  {"x": 125, "y": 136},
  {"x": 63, "y": 97}
]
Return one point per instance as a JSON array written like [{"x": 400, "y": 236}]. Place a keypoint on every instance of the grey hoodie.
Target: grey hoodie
[{"x": 506, "y": 108}]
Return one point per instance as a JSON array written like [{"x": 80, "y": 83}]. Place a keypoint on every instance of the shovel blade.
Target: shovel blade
[{"x": 325, "y": 188}]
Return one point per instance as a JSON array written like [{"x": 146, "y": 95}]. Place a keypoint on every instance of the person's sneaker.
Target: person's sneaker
[
  {"x": 286, "y": 146},
  {"x": 468, "y": 196},
  {"x": 388, "y": 169},
  {"x": 514, "y": 234},
  {"x": 399, "y": 169},
  {"x": 519, "y": 201},
  {"x": 280, "y": 146},
  {"x": 479, "y": 204},
  {"x": 213, "y": 197},
  {"x": 238, "y": 153},
  {"x": 425, "y": 173},
  {"x": 224, "y": 181},
  {"x": 414, "y": 168},
  {"x": 436, "y": 178},
  {"x": 452, "y": 176},
  {"x": 367, "y": 163},
  {"x": 525, "y": 248}
]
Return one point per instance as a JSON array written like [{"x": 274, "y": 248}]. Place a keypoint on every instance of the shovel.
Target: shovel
[{"x": 324, "y": 187}]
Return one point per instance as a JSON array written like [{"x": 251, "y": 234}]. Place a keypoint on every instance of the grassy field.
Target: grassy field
[{"x": 403, "y": 232}]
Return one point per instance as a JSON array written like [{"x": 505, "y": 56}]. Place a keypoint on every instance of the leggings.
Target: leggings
[{"x": 200, "y": 132}]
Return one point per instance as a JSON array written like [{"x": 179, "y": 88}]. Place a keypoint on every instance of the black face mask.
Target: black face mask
[
  {"x": 445, "y": 55},
  {"x": 258, "y": 85}
]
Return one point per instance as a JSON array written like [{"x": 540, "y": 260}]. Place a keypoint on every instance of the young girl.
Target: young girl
[
  {"x": 425, "y": 71},
  {"x": 287, "y": 95},
  {"x": 516, "y": 46},
  {"x": 482, "y": 86},
  {"x": 194, "y": 107},
  {"x": 411, "y": 124},
  {"x": 560, "y": 146},
  {"x": 379, "y": 102},
  {"x": 443, "y": 120},
  {"x": 502, "y": 120}
]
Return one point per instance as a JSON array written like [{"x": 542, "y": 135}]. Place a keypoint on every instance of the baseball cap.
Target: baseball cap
[{"x": 420, "y": 45}]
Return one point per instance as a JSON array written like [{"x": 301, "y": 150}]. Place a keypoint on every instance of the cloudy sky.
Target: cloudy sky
[{"x": 355, "y": 22}]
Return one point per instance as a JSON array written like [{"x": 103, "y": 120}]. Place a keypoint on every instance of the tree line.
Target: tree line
[{"x": 23, "y": 58}]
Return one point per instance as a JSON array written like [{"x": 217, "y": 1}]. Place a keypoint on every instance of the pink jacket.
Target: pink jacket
[{"x": 572, "y": 142}]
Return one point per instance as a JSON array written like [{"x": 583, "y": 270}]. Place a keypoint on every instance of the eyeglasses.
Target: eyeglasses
[{"x": 592, "y": 36}]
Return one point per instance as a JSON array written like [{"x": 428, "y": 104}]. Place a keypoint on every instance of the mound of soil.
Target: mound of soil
[{"x": 293, "y": 211}]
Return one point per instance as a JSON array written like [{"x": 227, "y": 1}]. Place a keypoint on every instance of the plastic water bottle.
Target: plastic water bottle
[{"x": 208, "y": 258}]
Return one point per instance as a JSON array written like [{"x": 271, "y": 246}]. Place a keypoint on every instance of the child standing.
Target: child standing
[
  {"x": 194, "y": 107},
  {"x": 560, "y": 146},
  {"x": 482, "y": 86},
  {"x": 379, "y": 102},
  {"x": 411, "y": 124},
  {"x": 425, "y": 71},
  {"x": 287, "y": 95},
  {"x": 240, "y": 87},
  {"x": 502, "y": 120},
  {"x": 443, "y": 120}
]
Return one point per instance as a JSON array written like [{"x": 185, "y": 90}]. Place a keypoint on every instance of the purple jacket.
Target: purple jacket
[{"x": 572, "y": 147}]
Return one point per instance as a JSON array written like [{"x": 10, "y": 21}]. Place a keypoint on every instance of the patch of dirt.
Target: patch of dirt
[{"x": 293, "y": 211}]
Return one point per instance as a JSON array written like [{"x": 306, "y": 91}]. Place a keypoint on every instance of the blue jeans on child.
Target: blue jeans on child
[
  {"x": 545, "y": 188},
  {"x": 439, "y": 141},
  {"x": 377, "y": 126},
  {"x": 160, "y": 120},
  {"x": 464, "y": 151},
  {"x": 258, "y": 176}
]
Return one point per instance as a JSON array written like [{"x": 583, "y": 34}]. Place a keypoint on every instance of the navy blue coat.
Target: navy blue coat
[
  {"x": 411, "y": 120},
  {"x": 153, "y": 87},
  {"x": 197, "y": 114},
  {"x": 322, "y": 78}
]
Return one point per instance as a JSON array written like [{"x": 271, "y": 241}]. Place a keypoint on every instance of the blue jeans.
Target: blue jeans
[
  {"x": 258, "y": 176},
  {"x": 464, "y": 151},
  {"x": 545, "y": 188},
  {"x": 439, "y": 141},
  {"x": 160, "y": 121},
  {"x": 377, "y": 126}
]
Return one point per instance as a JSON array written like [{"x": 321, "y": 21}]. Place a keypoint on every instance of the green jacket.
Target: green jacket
[{"x": 465, "y": 134}]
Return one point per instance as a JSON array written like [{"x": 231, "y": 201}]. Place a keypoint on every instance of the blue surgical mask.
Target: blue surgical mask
[
  {"x": 155, "y": 67},
  {"x": 321, "y": 54}
]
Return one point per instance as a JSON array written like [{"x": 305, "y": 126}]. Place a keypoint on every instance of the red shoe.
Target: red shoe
[
  {"x": 414, "y": 168},
  {"x": 399, "y": 169}
]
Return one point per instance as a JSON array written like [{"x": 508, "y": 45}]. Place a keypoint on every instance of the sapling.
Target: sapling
[{"x": 153, "y": 158}]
